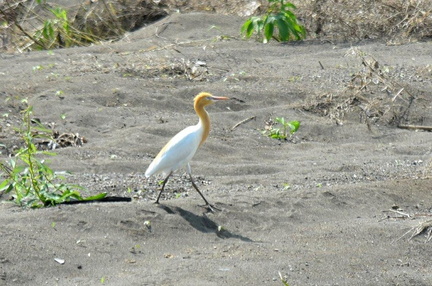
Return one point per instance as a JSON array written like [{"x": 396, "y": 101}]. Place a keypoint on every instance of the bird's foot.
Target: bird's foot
[{"x": 210, "y": 208}]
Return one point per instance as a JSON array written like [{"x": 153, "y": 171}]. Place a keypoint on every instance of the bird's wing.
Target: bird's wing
[{"x": 177, "y": 152}]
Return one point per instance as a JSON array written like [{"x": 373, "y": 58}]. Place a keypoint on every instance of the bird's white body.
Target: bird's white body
[
  {"x": 177, "y": 152},
  {"x": 182, "y": 147}
]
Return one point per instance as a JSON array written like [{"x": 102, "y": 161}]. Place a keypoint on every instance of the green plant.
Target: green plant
[
  {"x": 283, "y": 280},
  {"x": 279, "y": 15},
  {"x": 59, "y": 32},
  {"x": 284, "y": 133},
  {"x": 32, "y": 181},
  {"x": 286, "y": 186}
]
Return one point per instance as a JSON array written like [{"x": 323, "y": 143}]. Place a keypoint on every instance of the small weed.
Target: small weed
[
  {"x": 283, "y": 280},
  {"x": 52, "y": 76},
  {"x": 32, "y": 181},
  {"x": 295, "y": 79},
  {"x": 280, "y": 16},
  {"x": 147, "y": 224},
  {"x": 284, "y": 133},
  {"x": 38, "y": 68}
]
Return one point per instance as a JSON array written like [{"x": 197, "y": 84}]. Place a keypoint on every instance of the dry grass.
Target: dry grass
[
  {"x": 89, "y": 21},
  {"x": 375, "y": 93},
  {"x": 394, "y": 21}
]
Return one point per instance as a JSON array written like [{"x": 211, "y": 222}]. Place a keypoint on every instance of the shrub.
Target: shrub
[
  {"x": 33, "y": 183},
  {"x": 284, "y": 133},
  {"x": 278, "y": 17}
]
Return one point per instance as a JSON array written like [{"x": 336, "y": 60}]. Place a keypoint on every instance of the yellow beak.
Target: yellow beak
[{"x": 219, "y": 98}]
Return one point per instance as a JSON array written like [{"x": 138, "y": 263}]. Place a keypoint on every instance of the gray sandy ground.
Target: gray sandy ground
[{"x": 314, "y": 210}]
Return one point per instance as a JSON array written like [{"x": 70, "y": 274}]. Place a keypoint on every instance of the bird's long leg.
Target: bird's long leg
[
  {"x": 163, "y": 187},
  {"x": 211, "y": 207}
]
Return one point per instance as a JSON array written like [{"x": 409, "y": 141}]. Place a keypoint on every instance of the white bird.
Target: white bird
[{"x": 178, "y": 152}]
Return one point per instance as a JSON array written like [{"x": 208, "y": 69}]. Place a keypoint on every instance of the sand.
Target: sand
[{"x": 324, "y": 208}]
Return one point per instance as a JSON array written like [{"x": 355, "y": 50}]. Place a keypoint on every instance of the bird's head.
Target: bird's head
[{"x": 205, "y": 98}]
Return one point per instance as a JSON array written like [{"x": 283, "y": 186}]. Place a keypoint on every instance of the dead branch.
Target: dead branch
[
  {"x": 415, "y": 127},
  {"x": 426, "y": 225},
  {"x": 242, "y": 122}
]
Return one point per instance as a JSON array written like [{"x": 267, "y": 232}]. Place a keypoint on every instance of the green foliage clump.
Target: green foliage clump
[
  {"x": 285, "y": 132},
  {"x": 33, "y": 183},
  {"x": 42, "y": 25},
  {"x": 55, "y": 31},
  {"x": 278, "y": 17},
  {"x": 60, "y": 33}
]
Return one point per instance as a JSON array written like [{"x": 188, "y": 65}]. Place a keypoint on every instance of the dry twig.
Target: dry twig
[
  {"x": 243, "y": 122},
  {"x": 426, "y": 225},
  {"x": 415, "y": 127}
]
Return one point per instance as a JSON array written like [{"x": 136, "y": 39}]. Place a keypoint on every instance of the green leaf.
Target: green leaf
[
  {"x": 289, "y": 15},
  {"x": 6, "y": 186},
  {"x": 283, "y": 30},
  {"x": 67, "y": 195},
  {"x": 295, "y": 29},
  {"x": 51, "y": 198},
  {"x": 95, "y": 197},
  {"x": 294, "y": 126},
  {"x": 253, "y": 24},
  {"x": 280, "y": 120},
  {"x": 258, "y": 24},
  {"x": 268, "y": 32},
  {"x": 289, "y": 5},
  {"x": 18, "y": 169},
  {"x": 42, "y": 129},
  {"x": 247, "y": 28},
  {"x": 301, "y": 30},
  {"x": 59, "y": 13},
  {"x": 49, "y": 153},
  {"x": 48, "y": 30}
]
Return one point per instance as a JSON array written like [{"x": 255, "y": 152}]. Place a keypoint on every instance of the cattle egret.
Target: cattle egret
[{"x": 178, "y": 152}]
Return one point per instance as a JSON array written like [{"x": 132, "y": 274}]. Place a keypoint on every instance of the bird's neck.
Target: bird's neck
[{"x": 204, "y": 122}]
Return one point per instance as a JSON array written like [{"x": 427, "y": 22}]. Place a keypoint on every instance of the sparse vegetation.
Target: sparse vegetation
[
  {"x": 59, "y": 32},
  {"x": 379, "y": 92},
  {"x": 29, "y": 25},
  {"x": 33, "y": 25},
  {"x": 33, "y": 183},
  {"x": 395, "y": 21},
  {"x": 279, "y": 23},
  {"x": 287, "y": 129},
  {"x": 40, "y": 26}
]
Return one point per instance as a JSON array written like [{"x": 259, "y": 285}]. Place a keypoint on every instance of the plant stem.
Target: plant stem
[{"x": 30, "y": 153}]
